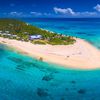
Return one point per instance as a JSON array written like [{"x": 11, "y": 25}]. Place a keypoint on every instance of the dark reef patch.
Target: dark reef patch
[
  {"x": 82, "y": 91},
  {"x": 73, "y": 82},
  {"x": 82, "y": 33},
  {"x": 34, "y": 63},
  {"x": 90, "y": 34},
  {"x": 87, "y": 34},
  {"x": 16, "y": 60},
  {"x": 62, "y": 99},
  {"x": 22, "y": 62},
  {"x": 20, "y": 67},
  {"x": 62, "y": 27},
  {"x": 47, "y": 77},
  {"x": 66, "y": 89},
  {"x": 42, "y": 92}
]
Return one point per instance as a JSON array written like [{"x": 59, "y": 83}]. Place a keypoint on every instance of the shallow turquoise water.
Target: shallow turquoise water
[{"x": 25, "y": 78}]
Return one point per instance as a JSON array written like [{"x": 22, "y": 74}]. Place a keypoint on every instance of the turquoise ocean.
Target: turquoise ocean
[{"x": 25, "y": 78}]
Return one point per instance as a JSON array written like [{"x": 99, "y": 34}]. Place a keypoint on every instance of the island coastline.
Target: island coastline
[{"x": 81, "y": 54}]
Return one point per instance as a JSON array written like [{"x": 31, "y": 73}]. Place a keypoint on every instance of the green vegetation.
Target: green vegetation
[
  {"x": 16, "y": 29},
  {"x": 39, "y": 42}
]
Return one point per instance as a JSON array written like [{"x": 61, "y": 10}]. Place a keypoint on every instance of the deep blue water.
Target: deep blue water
[{"x": 25, "y": 78}]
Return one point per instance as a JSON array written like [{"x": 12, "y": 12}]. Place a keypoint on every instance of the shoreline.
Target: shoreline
[{"x": 80, "y": 55}]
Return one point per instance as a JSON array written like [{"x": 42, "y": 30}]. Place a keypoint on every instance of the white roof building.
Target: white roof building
[{"x": 32, "y": 37}]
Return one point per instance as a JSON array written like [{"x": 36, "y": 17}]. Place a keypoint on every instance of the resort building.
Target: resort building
[{"x": 33, "y": 37}]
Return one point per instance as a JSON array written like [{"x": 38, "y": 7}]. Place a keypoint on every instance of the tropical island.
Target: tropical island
[
  {"x": 49, "y": 46},
  {"x": 19, "y": 30}
]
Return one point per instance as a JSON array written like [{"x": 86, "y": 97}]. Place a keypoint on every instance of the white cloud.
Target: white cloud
[
  {"x": 64, "y": 11},
  {"x": 71, "y": 12},
  {"x": 15, "y": 13},
  {"x": 47, "y": 14},
  {"x": 22, "y": 14},
  {"x": 97, "y": 7},
  {"x": 86, "y": 13},
  {"x": 36, "y": 13}
]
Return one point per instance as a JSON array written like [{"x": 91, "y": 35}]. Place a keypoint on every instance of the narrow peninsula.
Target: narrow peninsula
[{"x": 49, "y": 46}]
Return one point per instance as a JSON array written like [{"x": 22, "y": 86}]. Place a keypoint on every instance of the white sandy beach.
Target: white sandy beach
[{"x": 79, "y": 55}]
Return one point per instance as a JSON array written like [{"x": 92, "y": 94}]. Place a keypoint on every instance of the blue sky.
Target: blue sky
[{"x": 50, "y": 8}]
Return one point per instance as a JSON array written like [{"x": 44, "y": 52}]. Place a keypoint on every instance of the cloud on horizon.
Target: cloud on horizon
[
  {"x": 58, "y": 12},
  {"x": 23, "y": 14},
  {"x": 15, "y": 13},
  {"x": 36, "y": 13},
  {"x": 70, "y": 12},
  {"x": 97, "y": 7}
]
